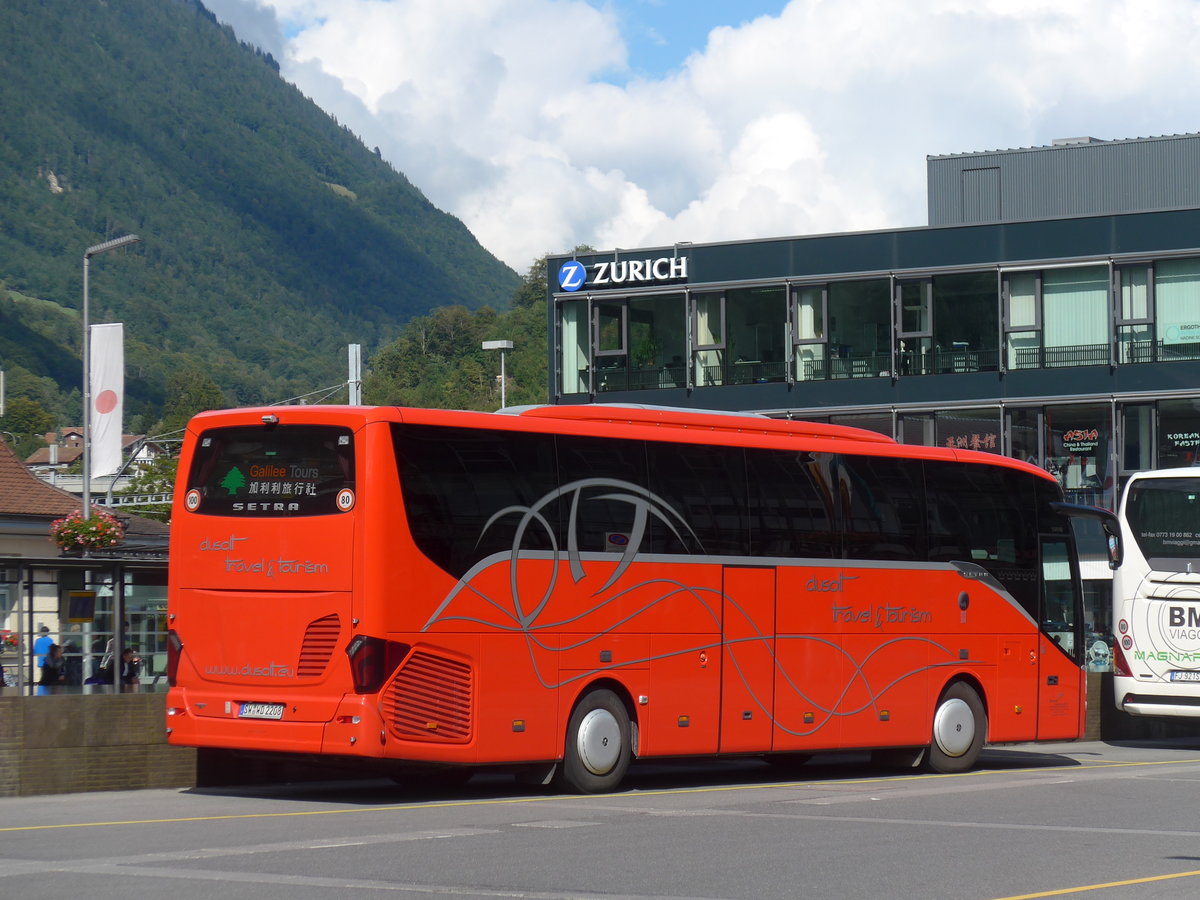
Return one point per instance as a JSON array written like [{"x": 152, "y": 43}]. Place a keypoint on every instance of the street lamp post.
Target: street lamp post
[
  {"x": 501, "y": 346},
  {"x": 94, "y": 250}
]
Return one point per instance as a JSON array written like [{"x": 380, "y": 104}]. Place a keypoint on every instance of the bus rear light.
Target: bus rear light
[
  {"x": 372, "y": 659},
  {"x": 174, "y": 651},
  {"x": 1119, "y": 662}
]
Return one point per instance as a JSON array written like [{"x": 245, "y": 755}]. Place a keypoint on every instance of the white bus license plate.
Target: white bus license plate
[
  {"x": 261, "y": 711},
  {"x": 1185, "y": 676}
]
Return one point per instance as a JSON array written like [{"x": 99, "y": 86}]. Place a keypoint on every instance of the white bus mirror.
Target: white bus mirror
[{"x": 1108, "y": 522}]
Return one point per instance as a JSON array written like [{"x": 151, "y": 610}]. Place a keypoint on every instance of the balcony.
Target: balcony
[
  {"x": 1061, "y": 357},
  {"x": 1129, "y": 352},
  {"x": 1156, "y": 351}
]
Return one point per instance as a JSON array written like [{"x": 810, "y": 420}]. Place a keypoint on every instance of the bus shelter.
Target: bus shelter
[{"x": 93, "y": 607}]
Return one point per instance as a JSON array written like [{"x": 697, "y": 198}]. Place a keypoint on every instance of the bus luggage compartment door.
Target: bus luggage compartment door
[{"x": 747, "y": 659}]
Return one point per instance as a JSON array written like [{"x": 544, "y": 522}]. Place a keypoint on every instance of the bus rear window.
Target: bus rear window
[
  {"x": 285, "y": 470},
  {"x": 1164, "y": 517}
]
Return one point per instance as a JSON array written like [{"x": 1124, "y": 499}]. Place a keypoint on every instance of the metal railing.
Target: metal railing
[{"x": 936, "y": 361}]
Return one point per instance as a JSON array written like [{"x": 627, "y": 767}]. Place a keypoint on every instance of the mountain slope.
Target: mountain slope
[{"x": 271, "y": 236}]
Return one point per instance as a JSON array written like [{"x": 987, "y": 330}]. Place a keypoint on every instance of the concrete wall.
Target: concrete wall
[{"x": 88, "y": 742}]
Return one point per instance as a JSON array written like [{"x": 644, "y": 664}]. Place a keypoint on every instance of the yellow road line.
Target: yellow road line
[
  {"x": 665, "y": 792},
  {"x": 1102, "y": 887}
]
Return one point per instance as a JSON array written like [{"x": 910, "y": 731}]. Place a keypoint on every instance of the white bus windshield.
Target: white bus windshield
[{"x": 1163, "y": 515}]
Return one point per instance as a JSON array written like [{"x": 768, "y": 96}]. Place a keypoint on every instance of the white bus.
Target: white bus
[{"x": 1156, "y": 596}]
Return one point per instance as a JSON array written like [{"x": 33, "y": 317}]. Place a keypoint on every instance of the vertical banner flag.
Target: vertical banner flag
[{"x": 108, "y": 397}]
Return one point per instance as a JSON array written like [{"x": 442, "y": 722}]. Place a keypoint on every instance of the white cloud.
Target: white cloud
[
  {"x": 815, "y": 120},
  {"x": 253, "y": 23}
]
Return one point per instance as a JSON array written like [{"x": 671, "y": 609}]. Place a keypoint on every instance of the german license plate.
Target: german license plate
[
  {"x": 261, "y": 711},
  {"x": 1185, "y": 676}
]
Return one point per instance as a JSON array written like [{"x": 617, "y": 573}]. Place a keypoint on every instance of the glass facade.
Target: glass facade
[
  {"x": 1069, "y": 351},
  {"x": 894, "y": 327},
  {"x": 1178, "y": 433},
  {"x": 1177, "y": 308},
  {"x": 860, "y": 330},
  {"x": 1078, "y": 438},
  {"x": 757, "y": 331},
  {"x": 966, "y": 318},
  {"x": 1075, "y": 315},
  {"x": 639, "y": 343}
]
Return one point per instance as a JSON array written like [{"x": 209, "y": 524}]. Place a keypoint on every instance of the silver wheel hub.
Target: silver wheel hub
[
  {"x": 599, "y": 741},
  {"x": 954, "y": 727}
]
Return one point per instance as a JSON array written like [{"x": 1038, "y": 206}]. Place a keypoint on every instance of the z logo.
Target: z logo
[{"x": 571, "y": 275}]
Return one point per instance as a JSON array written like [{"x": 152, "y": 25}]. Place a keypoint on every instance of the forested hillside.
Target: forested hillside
[{"x": 271, "y": 237}]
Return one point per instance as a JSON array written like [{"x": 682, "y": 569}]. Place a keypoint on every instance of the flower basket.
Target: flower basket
[{"x": 74, "y": 532}]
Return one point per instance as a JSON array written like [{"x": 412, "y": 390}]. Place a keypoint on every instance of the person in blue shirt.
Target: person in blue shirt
[{"x": 41, "y": 647}]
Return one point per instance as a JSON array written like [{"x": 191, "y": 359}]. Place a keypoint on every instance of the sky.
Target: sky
[{"x": 546, "y": 124}]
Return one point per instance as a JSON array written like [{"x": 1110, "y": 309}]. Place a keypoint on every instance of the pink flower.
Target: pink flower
[{"x": 74, "y": 532}]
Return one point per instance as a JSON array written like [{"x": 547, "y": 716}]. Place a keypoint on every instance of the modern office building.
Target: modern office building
[{"x": 1050, "y": 311}]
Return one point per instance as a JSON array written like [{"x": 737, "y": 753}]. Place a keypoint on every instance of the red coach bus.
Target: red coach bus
[{"x": 564, "y": 589}]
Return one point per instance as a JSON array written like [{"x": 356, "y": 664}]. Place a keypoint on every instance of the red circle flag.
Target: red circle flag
[{"x": 106, "y": 401}]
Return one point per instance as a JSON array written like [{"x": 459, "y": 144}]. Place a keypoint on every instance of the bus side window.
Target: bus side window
[
  {"x": 707, "y": 487},
  {"x": 792, "y": 509},
  {"x": 605, "y": 517},
  {"x": 454, "y": 480},
  {"x": 947, "y": 531},
  {"x": 883, "y": 508}
]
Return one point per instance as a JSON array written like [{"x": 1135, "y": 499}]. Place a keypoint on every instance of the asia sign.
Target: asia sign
[
  {"x": 574, "y": 275},
  {"x": 1081, "y": 441}
]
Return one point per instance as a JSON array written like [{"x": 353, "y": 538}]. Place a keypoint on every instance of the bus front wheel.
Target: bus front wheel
[
  {"x": 959, "y": 727},
  {"x": 598, "y": 747}
]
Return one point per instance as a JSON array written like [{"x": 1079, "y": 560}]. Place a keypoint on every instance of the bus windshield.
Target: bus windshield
[
  {"x": 289, "y": 470},
  {"x": 1163, "y": 515}
]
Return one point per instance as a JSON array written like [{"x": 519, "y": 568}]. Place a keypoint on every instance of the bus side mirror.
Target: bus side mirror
[
  {"x": 1116, "y": 549},
  {"x": 1108, "y": 522}
]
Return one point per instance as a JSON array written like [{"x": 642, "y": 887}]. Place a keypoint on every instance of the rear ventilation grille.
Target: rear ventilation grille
[
  {"x": 319, "y": 641},
  {"x": 430, "y": 700}
]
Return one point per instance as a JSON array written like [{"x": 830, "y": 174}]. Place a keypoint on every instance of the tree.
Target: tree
[
  {"x": 28, "y": 424},
  {"x": 438, "y": 361},
  {"x": 532, "y": 287},
  {"x": 534, "y": 282},
  {"x": 190, "y": 390},
  {"x": 25, "y": 416},
  {"x": 154, "y": 477}
]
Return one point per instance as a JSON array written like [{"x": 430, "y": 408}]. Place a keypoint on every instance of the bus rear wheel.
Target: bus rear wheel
[
  {"x": 598, "y": 749},
  {"x": 959, "y": 727}
]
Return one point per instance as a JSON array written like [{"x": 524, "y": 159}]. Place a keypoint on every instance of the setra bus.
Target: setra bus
[
  {"x": 1156, "y": 596},
  {"x": 563, "y": 589}
]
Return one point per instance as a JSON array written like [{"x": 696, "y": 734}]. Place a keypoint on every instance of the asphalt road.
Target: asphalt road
[{"x": 1079, "y": 820}]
